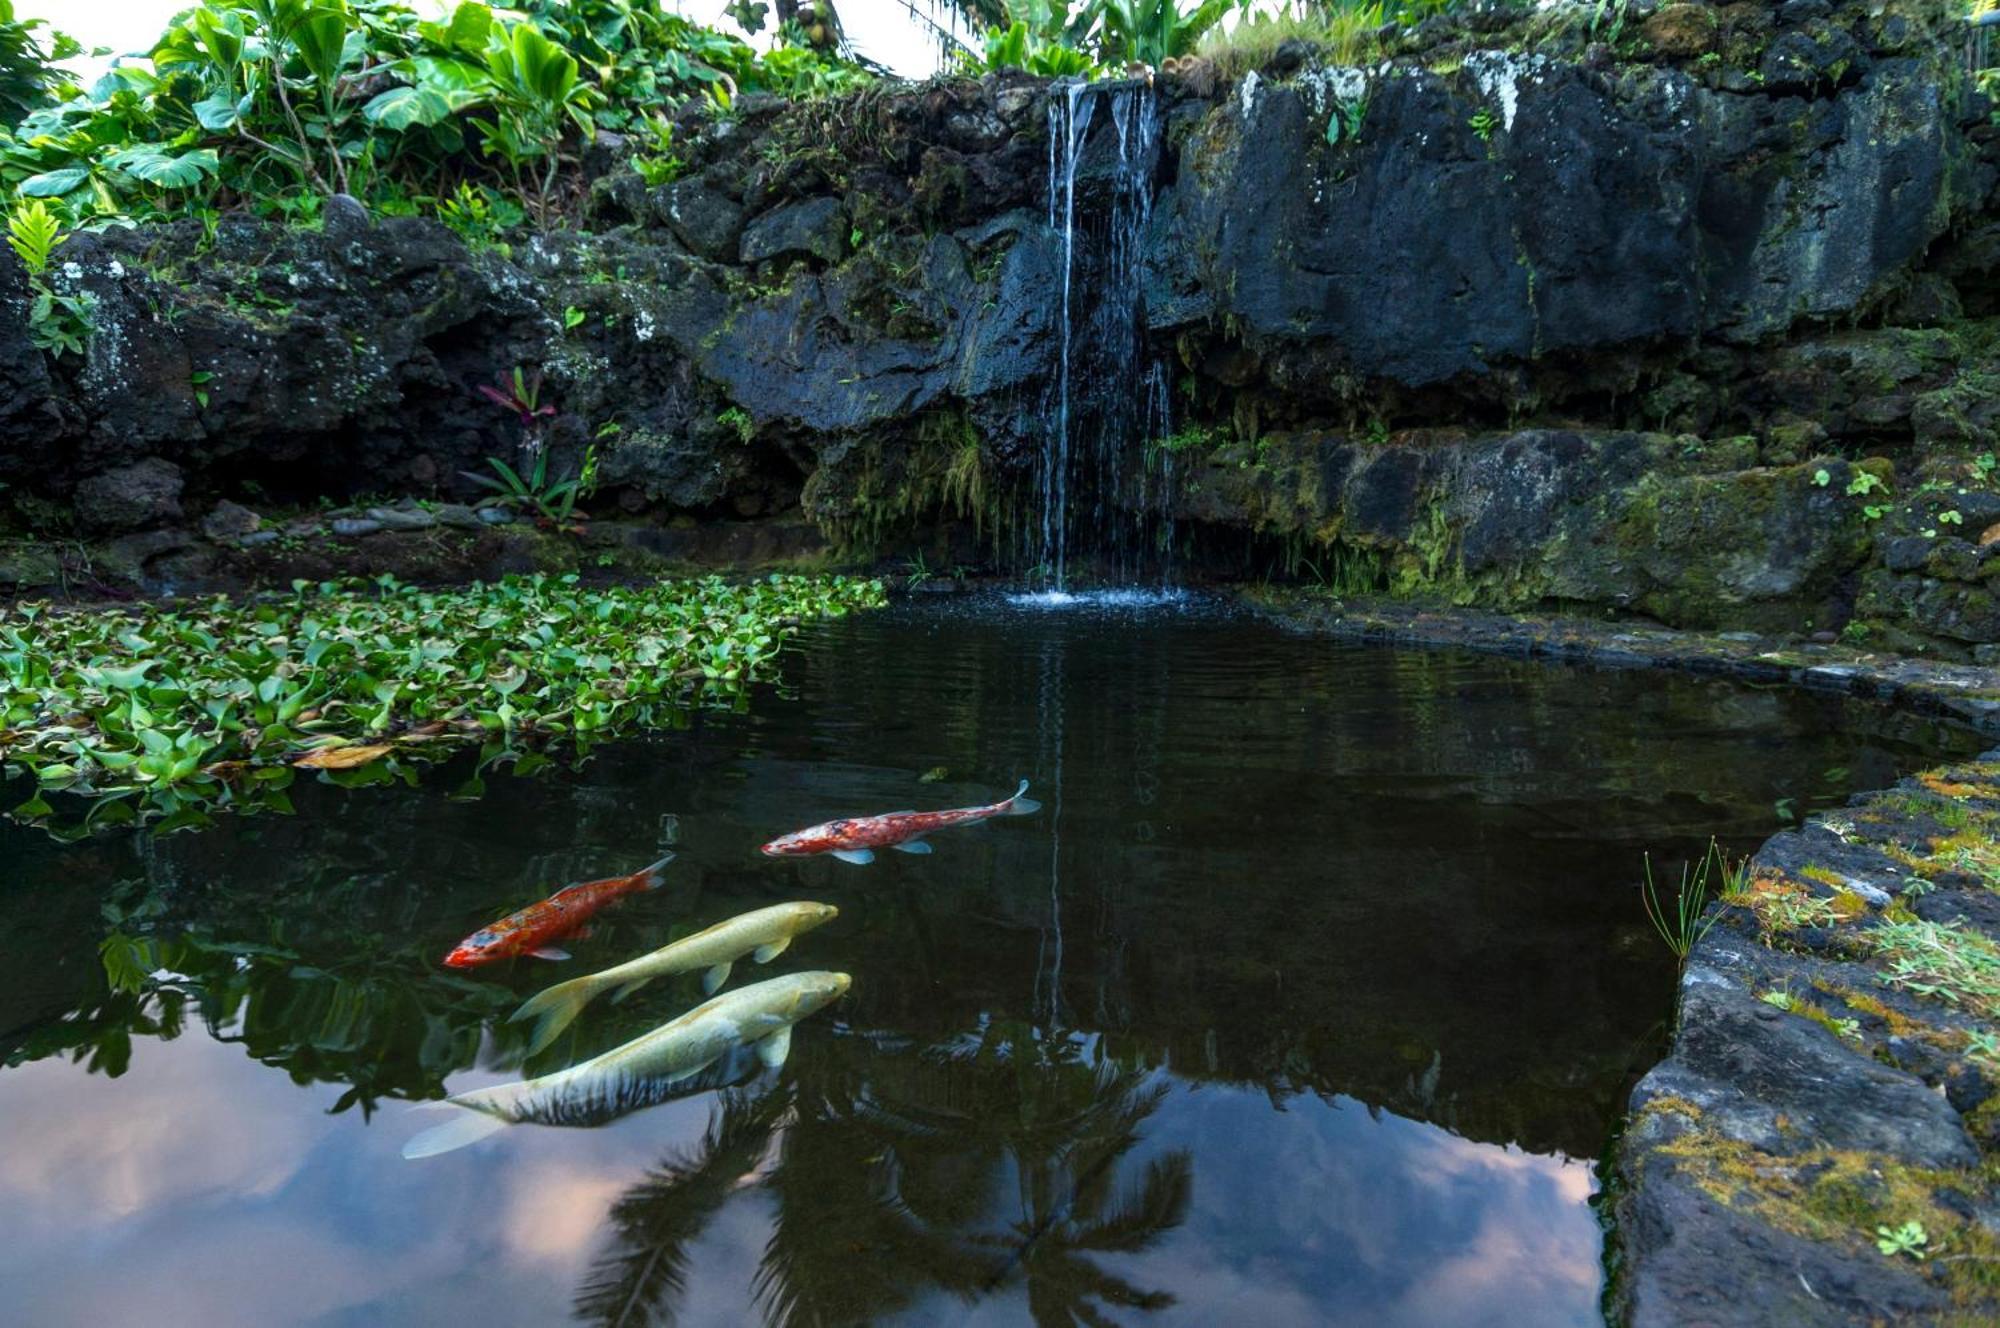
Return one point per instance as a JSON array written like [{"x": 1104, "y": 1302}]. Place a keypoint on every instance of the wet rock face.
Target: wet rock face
[
  {"x": 145, "y": 493},
  {"x": 1365, "y": 285},
  {"x": 1648, "y": 522},
  {"x": 1524, "y": 206}
]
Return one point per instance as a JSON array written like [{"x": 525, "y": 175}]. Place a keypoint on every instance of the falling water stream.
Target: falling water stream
[{"x": 1108, "y": 397}]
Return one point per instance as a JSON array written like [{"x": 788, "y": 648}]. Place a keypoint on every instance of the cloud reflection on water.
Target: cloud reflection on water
[{"x": 195, "y": 1190}]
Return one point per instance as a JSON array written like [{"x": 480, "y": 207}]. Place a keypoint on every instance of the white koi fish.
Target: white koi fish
[
  {"x": 645, "y": 1069},
  {"x": 762, "y": 934}
]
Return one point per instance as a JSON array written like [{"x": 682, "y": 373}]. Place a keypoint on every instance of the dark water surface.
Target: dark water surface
[{"x": 1309, "y": 997}]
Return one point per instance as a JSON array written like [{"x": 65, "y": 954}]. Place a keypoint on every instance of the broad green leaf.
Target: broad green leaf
[
  {"x": 53, "y": 184},
  {"x": 404, "y": 107}
]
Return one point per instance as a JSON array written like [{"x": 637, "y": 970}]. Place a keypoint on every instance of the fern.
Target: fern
[{"x": 33, "y": 233}]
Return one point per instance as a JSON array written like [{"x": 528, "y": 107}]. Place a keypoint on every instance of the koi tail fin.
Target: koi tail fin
[
  {"x": 1020, "y": 805},
  {"x": 648, "y": 878},
  {"x": 555, "y": 1009},
  {"x": 468, "y": 1126}
]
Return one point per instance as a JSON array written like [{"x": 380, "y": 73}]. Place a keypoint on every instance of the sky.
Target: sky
[{"x": 881, "y": 30}]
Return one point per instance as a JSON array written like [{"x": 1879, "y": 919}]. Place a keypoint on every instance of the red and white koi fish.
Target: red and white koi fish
[
  {"x": 536, "y": 928},
  {"x": 855, "y": 839}
]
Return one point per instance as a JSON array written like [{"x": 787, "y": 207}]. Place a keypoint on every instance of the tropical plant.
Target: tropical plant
[
  {"x": 1017, "y": 47},
  {"x": 1049, "y": 38},
  {"x": 1151, "y": 32},
  {"x": 655, "y": 160},
  {"x": 520, "y": 394},
  {"x": 478, "y": 215},
  {"x": 250, "y": 103},
  {"x": 28, "y": 76},
  {"x": 553, "y": 500},
  {"x": 539, "y": 94},
  {"x": 57, "y": 323}
]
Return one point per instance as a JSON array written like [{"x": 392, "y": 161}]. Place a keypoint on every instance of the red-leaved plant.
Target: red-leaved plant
[{"x": 522, "y": 395}]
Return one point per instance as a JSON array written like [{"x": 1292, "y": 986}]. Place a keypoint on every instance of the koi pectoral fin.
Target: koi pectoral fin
[
  {"x": 712, "y": 980},
  {"x": 764, "y": 954},
  {"x": 773, "y": 1049},
  {"x": 469, "y": 1128},
  {"x": 860, "y": 857},
  {"x": 549, "y": 952},
  {"x": 913, "y": 846}
]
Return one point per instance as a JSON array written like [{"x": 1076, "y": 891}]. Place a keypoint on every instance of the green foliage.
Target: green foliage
[
  {"x": 177, "y": 710},
  {"x": 1347, "y": 117},
  {"x": 1017, "y": 47},
  {"x": 57, "y": 323},
  {"x": 33, "y": 233},
  {"x": 1909, "y": 1238},
  {"x": 1483, "y": 123},
  {"x": 1684, "y": 924},
  {"x": 1607, "y": 20},
  {"x": 1048, "y": 38},
  {"x": 1346, "y": 31},
  {"x": 1943, "y": 960},
  {"x": 1152, "y": 32},
  {"x": 257, "y": 103},
  {"x": 478, "y": 215},
  {"x": 738, "y": 419},
  {"x": 553, "y": 500},
  {"x": 28, "y": 76},
  {"x": 657, "y": 162}
]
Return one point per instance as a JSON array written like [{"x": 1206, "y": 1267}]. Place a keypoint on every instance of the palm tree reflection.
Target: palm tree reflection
[{"x": 900, "y": 1172}]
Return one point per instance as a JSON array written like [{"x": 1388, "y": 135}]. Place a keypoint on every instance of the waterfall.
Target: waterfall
[{"x": 1108, "y": 399}]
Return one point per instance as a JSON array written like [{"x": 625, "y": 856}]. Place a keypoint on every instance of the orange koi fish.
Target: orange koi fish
[
  {"x": 856, "y": 839},
  {"x": 535, "y": 928}
]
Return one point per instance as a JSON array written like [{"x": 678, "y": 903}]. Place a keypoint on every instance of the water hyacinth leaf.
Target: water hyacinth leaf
[
  {"x": 344, "y": 758},
  {"x": 208, "y": 719}
]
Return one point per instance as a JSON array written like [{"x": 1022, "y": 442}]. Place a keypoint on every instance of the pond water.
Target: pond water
[{"x": 1310, "y": 996}]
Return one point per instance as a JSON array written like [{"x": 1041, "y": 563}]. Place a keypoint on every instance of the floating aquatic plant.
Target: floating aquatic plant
[{"x": 176, "y": 711}]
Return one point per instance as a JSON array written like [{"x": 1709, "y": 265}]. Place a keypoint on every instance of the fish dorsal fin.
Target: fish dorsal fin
[
  {"x": 764, "y": 954},
  {"x": 907, "y": 811}
]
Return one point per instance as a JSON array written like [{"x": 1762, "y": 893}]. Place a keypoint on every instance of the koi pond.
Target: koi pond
[{"x": 1311, "y": 994}]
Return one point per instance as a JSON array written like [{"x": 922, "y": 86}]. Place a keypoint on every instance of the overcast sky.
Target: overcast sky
[{"x": 881, "y": 30}]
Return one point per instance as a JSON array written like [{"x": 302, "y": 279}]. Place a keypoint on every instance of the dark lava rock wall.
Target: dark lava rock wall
[
  {"x": 1698, "y": 323},
  {"x": 1831, "y": 1081}
]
